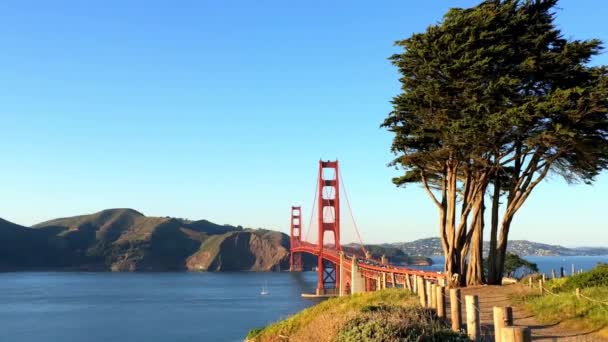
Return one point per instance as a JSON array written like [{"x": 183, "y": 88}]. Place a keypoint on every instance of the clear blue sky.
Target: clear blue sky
[{"x": 221, "y": 110}]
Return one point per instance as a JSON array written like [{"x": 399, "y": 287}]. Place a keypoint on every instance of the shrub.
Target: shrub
[
  {"x": 396, "y": 323},
  {"x": 593, "y": 278},
  {"x": 254, "y": 333}
]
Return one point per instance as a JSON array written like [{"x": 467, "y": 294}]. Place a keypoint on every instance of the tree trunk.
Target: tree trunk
[
  {"x": 493, "y": 277},
  {"x": 475, "y": 266},
  {"x": 452, "y": 257},
  {"x": 502, "y": 245}
]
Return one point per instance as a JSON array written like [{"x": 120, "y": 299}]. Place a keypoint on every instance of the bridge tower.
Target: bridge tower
[
  {"x": 295, "y": 238},
  {"x": 329, "y": 221}
]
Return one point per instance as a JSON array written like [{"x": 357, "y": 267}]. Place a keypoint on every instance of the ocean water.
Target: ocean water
[
  {"x": 545, "y": 263},
  {"x": 96, "y": 307},
  {"x": 154, "y": 307}
]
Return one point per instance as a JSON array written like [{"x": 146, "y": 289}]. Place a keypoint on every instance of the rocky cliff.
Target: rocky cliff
[{"x": 242, "y": 251}]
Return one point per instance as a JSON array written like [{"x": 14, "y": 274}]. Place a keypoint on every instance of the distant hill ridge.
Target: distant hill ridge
[
  {"x": 126, "y": 240},
  {"x": 432, "y": 246}
]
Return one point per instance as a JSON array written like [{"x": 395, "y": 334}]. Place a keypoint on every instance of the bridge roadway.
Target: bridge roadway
[{"x": 380, "y": 273}]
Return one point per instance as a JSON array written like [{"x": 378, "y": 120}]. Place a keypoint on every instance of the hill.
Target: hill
[
  {"x": 394, "y": 254},
  {"x": 432, "y": 246},
  {"x": 127, "y": 240}
]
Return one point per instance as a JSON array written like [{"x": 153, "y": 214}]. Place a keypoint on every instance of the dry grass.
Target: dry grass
[{"x": 323, "y": 321}]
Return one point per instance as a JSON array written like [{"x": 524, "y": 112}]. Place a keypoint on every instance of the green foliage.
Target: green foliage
[
  {"x": 563, "y": 304},
  {"x": 597, "y": 277},
  {"x": 567, "y": 307},
  {"x": 253, "y": 333},
  {"x": 496, "y": 76},
  {"x": 515, "y": 266},
  {"x": 392, "y": 323}
]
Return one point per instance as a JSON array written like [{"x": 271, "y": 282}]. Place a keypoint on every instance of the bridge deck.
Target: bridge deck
[{"x": 368, "y": 266}]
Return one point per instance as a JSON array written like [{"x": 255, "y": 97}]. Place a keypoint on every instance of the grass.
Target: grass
[
  {"x": 341, "y": 317},
  {"x": 567, "y": 308},
  {"x": 563, "y": 305},
  {"x": 333, "y": 313}
]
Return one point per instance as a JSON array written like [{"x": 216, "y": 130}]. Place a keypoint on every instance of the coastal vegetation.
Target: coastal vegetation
[
  {"x": 517, "y": 267},
  {"x": 588, "y": 310},
  {"x": 494, "y": 99},
  {"x": 386, "y": 315}
]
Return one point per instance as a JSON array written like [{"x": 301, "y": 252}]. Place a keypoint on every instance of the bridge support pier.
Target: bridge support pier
[
  {"x": 342, "y": 287},
  {"x": 356, "y": 278}
]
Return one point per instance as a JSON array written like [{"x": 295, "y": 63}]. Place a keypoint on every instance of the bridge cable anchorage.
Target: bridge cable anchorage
[
  {"x": 312, "y": 210},
  {"x": 350, "y": 210}
]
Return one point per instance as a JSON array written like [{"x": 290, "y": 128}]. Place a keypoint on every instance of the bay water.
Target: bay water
[
  {"x": 545, "y": 263},
  {"x": 154, "y": 307},
  {"x": 147, "y": 307}
]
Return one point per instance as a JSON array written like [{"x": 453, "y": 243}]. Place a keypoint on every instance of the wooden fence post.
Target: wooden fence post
[
  {"x": 515, "y": 334},
  {"x": 561, "y": 272},
  {"x": 408, "y": 283},
  {"x": 530, "y": 282},
  {"x": 433, "y": 296},
  {"x": 441, "y": 301},
  {"x": 578, "y": 293},
  {"x": 553, "y": 273},
  {"x": 540, "y": 286},
  {"x": 455, "y": 309},
  {"x": 503, "y": 317},
  {"x": 421, "y": 292},
  {"x": 428, "y": 293},
  {"x": 573, "y": 270},
  {"x": 472, "y": 309},
  {"x": 544, "y": 278}
]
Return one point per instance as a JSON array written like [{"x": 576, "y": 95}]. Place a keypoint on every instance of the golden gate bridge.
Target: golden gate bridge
[{"x": 343, "y": 270}]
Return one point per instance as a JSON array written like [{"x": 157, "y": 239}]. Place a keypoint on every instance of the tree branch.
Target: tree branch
[{"x": 428, "y": 190}]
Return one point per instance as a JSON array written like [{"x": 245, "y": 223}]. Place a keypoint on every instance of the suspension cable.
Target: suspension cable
[
  {"x": 350, "y": 210},
  {"x": 312, "y": 210}
]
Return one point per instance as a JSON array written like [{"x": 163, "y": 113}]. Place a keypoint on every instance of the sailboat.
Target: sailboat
[{"x": 264, "y": 290}]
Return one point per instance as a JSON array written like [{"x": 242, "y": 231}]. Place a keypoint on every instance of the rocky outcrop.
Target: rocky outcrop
[{"x": 241, "y": 251}]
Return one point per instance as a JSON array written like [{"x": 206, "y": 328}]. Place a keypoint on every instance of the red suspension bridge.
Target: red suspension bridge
[{"x": 343, "y": 270}]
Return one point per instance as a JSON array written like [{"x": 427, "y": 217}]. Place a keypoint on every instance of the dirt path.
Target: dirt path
[{"x": 490, "y": 296}]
